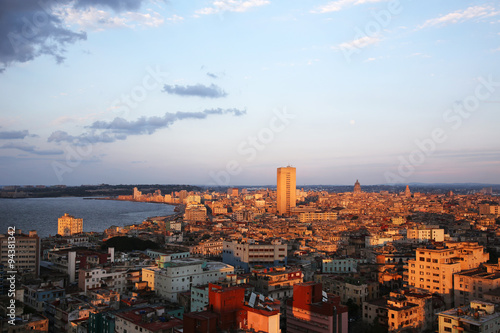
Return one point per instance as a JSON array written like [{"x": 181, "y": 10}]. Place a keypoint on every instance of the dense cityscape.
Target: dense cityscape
[
  {"x": 259, "y": 166},
  {"x": 262, "y": 260}
]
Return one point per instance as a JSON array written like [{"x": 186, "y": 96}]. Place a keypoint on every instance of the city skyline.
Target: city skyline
[{"x": 224, "y": 92}]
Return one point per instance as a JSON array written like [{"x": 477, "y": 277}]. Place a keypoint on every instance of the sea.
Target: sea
[{"x": 41, "y": 214}]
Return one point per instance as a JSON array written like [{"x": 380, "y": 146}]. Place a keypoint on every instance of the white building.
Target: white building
[
  {"x": 244, "y": 255},
  {"x": 345, "y": 265},
  {"x": 199, "y": 298},
  {"x": 376, "y": 240},
  {"x": 180, "y": 275},
  {"x": 478, "y": 317},
  {"x": 113, "y": 279},
  {"x": 424, "y": 235}
]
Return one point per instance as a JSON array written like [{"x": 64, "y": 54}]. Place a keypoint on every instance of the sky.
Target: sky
[{"x": 224, "y": 92}]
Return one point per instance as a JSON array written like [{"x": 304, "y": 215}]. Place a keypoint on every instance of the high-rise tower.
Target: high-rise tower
[{"x": 286, "y": 188}]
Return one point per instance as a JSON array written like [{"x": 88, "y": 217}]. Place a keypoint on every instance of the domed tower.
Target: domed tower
[
  {"x": 357, "y": 187},
  {"x": 407, "y": 191}
]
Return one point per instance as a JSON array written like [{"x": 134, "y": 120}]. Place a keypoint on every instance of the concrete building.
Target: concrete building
[
  {"x": 341, "y": 265},
  {"x": 352, "y": 287},
  {"x": 36, "y": 295},
  {"x": 208, "y": 247},
  {"x": 473, "y": 284},
  {"x": 25, "y": 323},
  {"x": 433, "y": 268},
  {"x": 195, "y": 212},
  {"x": 425, "y": 234},
  {"x": 112, "y": 278},
  {"x": 199, "y": 298},
  {"x": 244, "y": 255},
  {"x": 180, "y": 275},
  {"x": 477, "y": 317},
  {"x": 27, "y": 252},
  {"x": 312, "y": 216},
  {"x": 394, "y": 312},
  {"x": 69, "y": 225},
  {"x": 147, "y": 319},
  {"x": 312, "y": 311},
  {"x": 286, "y": 188},
  {"x": 276, "y": 283}
]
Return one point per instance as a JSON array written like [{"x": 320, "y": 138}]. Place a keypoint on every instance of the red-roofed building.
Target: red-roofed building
[
  {"x": 147, "y": 319},
  {"x": 227, "y": 310},
  {"x": 310, "y": 311}
]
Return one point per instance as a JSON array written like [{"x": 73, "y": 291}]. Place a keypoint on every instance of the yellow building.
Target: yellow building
[
  {"x": 312, "y": 216},
  {"x": 433, "y": 268},
  {"x": 68, "y": 225},
  {"x": 286, "y": 188}
]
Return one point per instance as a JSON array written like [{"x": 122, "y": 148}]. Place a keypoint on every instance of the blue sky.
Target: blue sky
[{"x": 224, "y": 92}]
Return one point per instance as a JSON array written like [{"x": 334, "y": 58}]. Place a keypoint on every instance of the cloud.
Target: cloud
[
  {"x": 120, "y": 129},
  {"x": 30, "y": 28},
  {"x": 11, "y": 135},
  {"x": 31, "y": 149},
  {"x": 231, "y": 6},
  {"x": 212, "y": 75},
  {"x": 335, "y": 6},
  {"x": 98, "y": 19},
  {"x": 460, "y": 16},
  {"x": 116, "y": 5},
  {"x": 199, "y": 90},
  {"x": 175, "y": 18},
  {"x": 358, "y": 43}
]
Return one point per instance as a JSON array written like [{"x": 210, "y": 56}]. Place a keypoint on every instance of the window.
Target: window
[{"x": 447, "y": 329}]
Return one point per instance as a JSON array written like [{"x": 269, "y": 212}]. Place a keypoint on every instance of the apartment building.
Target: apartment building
[
  {"x": 27, "y": 251},
  {"x": 341, "y": 265},
  {"x": 112, "y": 278},
  {"x": 433, "y": 268},
  {"x": 276, "y": 283},
  {"x": 180, "y": 275},
  {"x": 69, "y": 225},
  {"x": 472, "y": 284},
  {"x": 245, "y": 255},
  {"x": 420, "y": 235},
  {"x": 478, "y": 316}
]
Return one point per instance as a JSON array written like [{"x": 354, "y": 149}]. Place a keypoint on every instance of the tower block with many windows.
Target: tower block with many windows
[{"x": 286, "y": 190}]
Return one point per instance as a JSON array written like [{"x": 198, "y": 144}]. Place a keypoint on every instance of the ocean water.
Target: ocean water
[{"x": 41, "y": 214}]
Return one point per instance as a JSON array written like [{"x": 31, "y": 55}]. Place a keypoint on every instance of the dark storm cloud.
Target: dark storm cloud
[
  {"x": 29, "y": 29},
  {"x": 31, "y": 149},
  {"x": 120, "y": 129},
  {"x": 199, "y": 90},
  {"x": 11, "y": 135}
]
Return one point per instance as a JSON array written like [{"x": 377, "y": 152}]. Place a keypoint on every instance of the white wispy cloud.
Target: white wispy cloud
[
  {"x": 94, "y": 19},
  {"x": 459, "y": 16},
  {"x": 175, "y": 18},
  {"x": 335, "y": 6},
  {"x": 358, "y": 43},
  {"x": 231, "y": 6}
]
